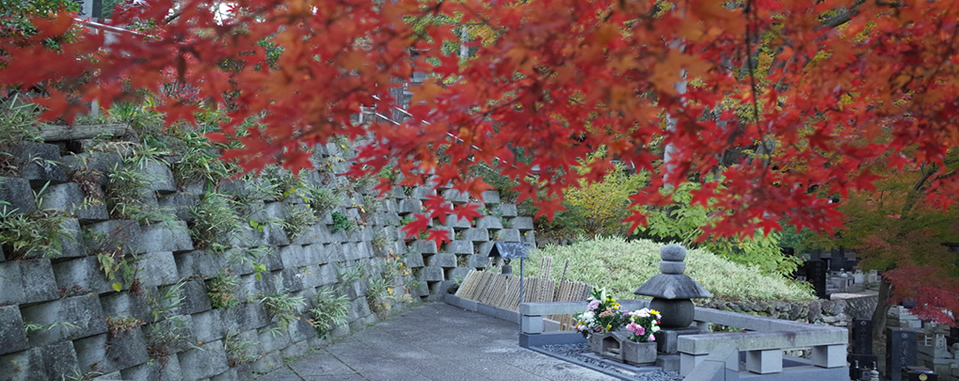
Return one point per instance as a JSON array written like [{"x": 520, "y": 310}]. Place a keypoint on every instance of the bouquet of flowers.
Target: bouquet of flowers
[
  {"x": 643, "y": 324},
  {"x": 602, "y": 315}
]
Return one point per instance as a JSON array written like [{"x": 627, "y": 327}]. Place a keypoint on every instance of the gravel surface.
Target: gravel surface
[{"x": 579, "y": 351}]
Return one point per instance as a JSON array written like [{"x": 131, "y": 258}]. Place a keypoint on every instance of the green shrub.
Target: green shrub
[
  {"x": 682, "y": 222},
  {"x": 621, "y": 267}
]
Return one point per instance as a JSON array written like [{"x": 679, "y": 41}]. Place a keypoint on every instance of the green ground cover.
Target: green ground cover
[{"x": 622, "y": 266}]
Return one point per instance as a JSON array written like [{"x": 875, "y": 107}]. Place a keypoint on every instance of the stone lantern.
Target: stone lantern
[{"x": 672, "y": 290}]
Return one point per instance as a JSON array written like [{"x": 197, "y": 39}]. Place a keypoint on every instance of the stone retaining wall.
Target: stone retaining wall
[
  {"x": 835, "y": 313},
  {"x": 60, "y": 316}
]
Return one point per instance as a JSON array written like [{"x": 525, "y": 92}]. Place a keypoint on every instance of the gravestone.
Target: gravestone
[
  {"x": 816, "y": 275},
  {"x": 862, "y": 336},
  {"x": 901, "y": 351}
]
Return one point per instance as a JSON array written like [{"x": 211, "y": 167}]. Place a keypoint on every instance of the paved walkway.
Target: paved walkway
[{"x": 433, "y": 341}]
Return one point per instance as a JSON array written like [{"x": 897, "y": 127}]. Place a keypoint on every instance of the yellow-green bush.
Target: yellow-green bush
[{"x": 621, "y": 267}]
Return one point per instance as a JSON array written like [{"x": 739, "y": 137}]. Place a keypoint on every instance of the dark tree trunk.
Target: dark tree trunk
[{"x": 882, "y": 309}]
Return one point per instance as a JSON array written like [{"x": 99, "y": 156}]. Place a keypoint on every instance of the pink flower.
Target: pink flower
[
  {"x": 651, "y": 337},
  {"x": 636, "y": 329}
]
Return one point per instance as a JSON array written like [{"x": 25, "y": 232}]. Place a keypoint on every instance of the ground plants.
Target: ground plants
[
  {"x": 619, "y": 266},
  {"x": 330, "y": 311}
]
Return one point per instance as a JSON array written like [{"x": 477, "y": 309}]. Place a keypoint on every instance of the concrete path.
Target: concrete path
[{"x": 433, "y": 341}]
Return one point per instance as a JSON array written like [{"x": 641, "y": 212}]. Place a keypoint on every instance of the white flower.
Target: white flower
[
  {"x": 588, "y": 316},
  {"x": 655, "y": 328}
]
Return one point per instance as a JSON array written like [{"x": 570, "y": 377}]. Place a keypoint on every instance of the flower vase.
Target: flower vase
[
  {"x": 596, "y": 342},
  {"x": 639, "y": 353}
]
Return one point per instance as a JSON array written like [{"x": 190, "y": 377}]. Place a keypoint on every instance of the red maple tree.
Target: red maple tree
[{"x": 803, "y": 90}]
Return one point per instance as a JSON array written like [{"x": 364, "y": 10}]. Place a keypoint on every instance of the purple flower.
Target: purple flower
[
  {"x": 651, "y": 337},
  {"x": 593, "y": 305}
]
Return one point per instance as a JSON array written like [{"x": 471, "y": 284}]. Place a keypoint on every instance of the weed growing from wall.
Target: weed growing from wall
[
  {"x": 330, "y": 311},
  {"x": 222, "y": 289},
  {"x": 342, "y": 222},
  {"x": 168, "y": 330},
  {"x": 298, "y": 220},
  {"x": 238, "y": 351},
  {"x": 124, "y": 192},
  {"x": 283, "y": 307},
  {"x": 199, "y": 163},
  {"x": 124, "y": 323},
  {"x": 215, "y": 220},
  {"x": 322, "y": 199},
  {"x": 40, "y": 233}
]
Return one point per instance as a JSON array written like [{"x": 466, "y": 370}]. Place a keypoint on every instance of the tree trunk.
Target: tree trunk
[{"x": 882, "y": 309}]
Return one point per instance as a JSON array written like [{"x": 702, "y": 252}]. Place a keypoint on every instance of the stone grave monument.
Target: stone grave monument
[{"x": 671, "y": 291}]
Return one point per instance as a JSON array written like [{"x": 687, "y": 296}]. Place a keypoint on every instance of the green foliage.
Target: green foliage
[
  {"x": 621, "y": 266},
  {"x": 116, "y": 266},
  {"x": 682, "y": 223},
  {"x": 283, "y": 307},
  {"x": 40, "y": 233},
  {"x": 298, "y": 220},
  {"x": 17, "y": 120},
  {"x": 215, "y": 220},
  {"x": 124, "y": 193},
  {"x": 139, "y": 116},
  {"x": 349, "y": 275},
  {"x": 222, "y": 289},
  {"x": 322, "y": 199},
  {"x": 330, "y": 311},
  {"x": 597, "y": 208},
  {"x": 32, "y": 328},
  {"x": 279, "y": 183},
  {"x": 199, "y": 162},
  {"x": 168, "y": 328},
  {"x": 238, "y": 351},
  {"x": 377, "y": 294},
  {"x": 17, "y": 14},
  {"x": 342, "y": 222}
]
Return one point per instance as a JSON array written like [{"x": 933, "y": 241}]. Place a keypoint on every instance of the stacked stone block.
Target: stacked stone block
[{"x": 66, "y": 299}]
